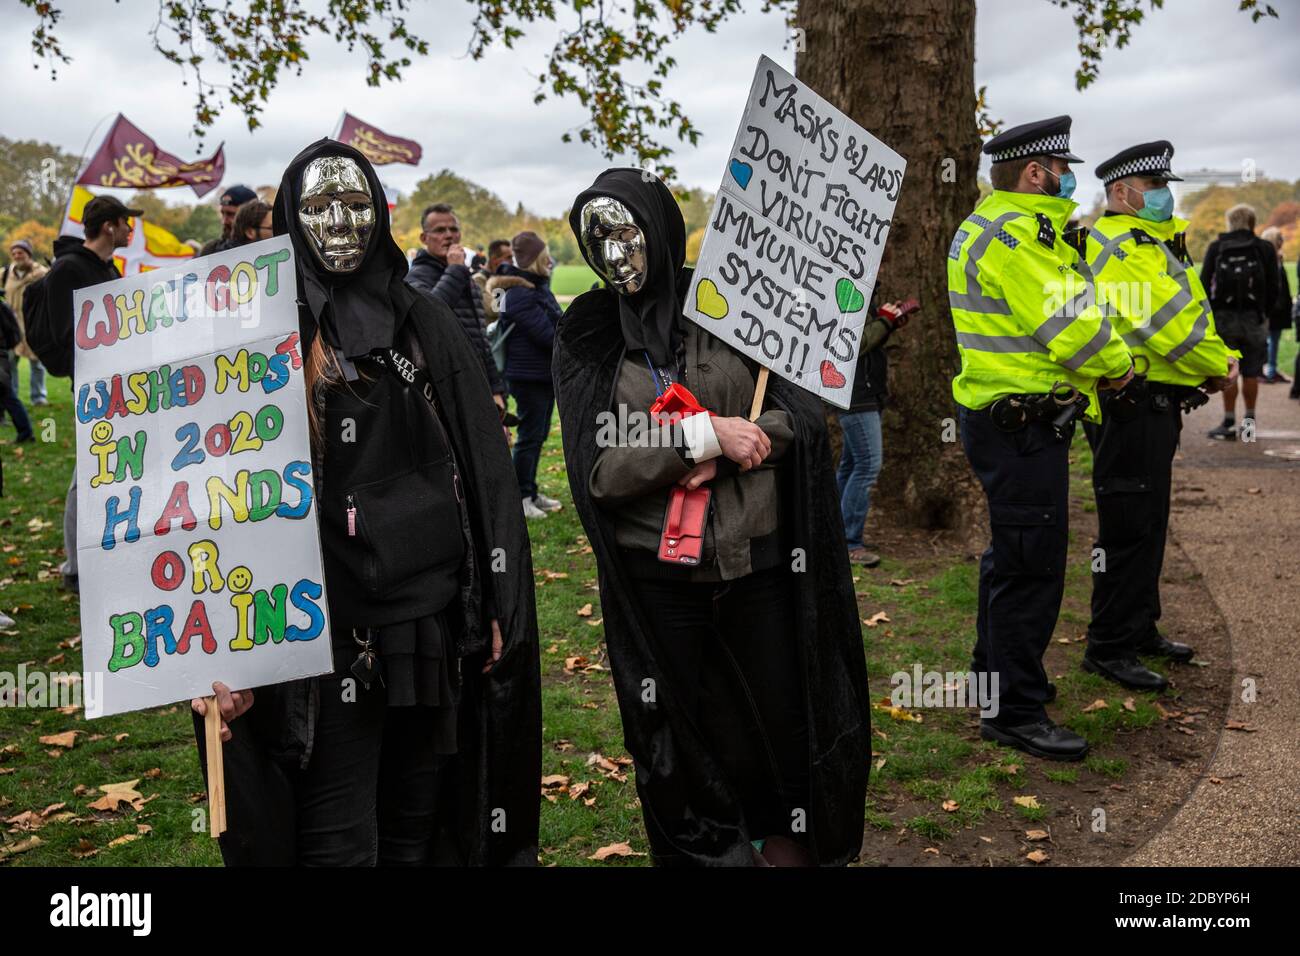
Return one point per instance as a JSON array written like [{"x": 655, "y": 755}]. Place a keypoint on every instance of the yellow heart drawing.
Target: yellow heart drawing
[{"x": 709, "y": 300}]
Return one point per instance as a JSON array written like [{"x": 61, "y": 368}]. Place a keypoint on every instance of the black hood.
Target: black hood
[
  {"x": 652, "y": 317},
  {"x": 357, "y": 311},
  {"x": 65, "y": 244}
]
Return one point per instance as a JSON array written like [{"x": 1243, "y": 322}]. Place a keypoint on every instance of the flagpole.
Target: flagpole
[
  {"x": 338, "y": 130},
  {"x": 83, "y": 162}
]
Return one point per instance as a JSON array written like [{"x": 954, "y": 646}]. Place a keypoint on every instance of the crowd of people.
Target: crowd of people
[{"x": 740, "y": 675}]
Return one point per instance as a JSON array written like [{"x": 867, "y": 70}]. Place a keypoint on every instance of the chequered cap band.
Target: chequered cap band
[
  {"x": 1056, "y": 143},
  {"x": 1157, "y": 165}
]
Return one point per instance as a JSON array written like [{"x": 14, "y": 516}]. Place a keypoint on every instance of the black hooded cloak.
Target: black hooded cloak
[
  {"x": 682, "y": 788},
  {"x": 488, "y": 803}
]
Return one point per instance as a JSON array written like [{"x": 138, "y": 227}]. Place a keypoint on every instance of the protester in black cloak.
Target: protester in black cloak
[
  {"x": 429, "y": 751},
  {"x": 741, "y": 682}
]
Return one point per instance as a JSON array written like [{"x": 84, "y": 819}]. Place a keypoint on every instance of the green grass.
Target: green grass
[
  {"x": 572, "y": 279},
  {"x": 930, "y": 762}
]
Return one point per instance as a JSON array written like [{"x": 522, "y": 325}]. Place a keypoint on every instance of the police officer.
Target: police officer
[
  {"x": 1138, "y": 254},
  {"x": 1034, "y": 348}
]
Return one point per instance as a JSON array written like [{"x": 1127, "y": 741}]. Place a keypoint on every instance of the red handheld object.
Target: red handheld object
[
  {"x": 682, "y": 541},
  {"x": 898, "y": 317},
  {"x": 675, "y": 403}
]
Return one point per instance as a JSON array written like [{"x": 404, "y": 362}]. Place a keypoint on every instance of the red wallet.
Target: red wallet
[{"x": 682, "y": 541}]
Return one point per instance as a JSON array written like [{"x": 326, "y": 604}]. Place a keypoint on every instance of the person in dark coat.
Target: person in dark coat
[
  {"x": 862, "y": 453},
  {"x": 424, "y": 744},
  {"x": 79, "y": 263},
  {"x": 529, "y": 310},
  {"x": 1240, "y": 275},
  {"x": 741, "y": 680},
  {"x": 1279, "y": 316},
  {"x": 440, "y": 270}
]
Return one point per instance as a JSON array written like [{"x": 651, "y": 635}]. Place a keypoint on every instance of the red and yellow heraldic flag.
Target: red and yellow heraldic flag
[
  {"x": 128, "y": 159},
  {"x": 376, "y": 145}
]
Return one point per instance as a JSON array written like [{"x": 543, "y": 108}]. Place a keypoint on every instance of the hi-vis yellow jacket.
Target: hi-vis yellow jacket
[
  {"x": 1023, "y": 305},
  {"x": 1154, "y": 300}
]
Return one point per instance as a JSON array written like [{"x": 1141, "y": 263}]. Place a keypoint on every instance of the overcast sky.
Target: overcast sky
[{"x": 1198, "y": 73}]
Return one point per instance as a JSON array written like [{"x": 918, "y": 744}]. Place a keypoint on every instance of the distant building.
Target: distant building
[{"x": 1198, "y": 179}]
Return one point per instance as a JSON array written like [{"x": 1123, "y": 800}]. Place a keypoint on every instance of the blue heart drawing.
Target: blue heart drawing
[{"x": 741, "y": 172}]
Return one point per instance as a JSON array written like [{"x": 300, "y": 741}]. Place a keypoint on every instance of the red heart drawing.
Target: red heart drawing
[{"x": 831, "y": 376}]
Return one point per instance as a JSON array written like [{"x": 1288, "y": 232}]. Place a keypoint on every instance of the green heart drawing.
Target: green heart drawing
[{"x": 848, "y": 297}]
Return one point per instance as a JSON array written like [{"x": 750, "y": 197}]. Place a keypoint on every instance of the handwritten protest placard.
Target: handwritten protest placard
[
  {"x": 196, "y": 526},
  {"x": 791, "y": 251}
]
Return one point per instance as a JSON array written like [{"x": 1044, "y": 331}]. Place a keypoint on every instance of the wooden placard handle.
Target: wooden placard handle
[
  {"x": 760, "y": 392},
  {"x": 216, "y": 769}
]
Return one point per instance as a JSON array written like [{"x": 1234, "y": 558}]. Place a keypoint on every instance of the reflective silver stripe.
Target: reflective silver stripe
[
  {"x": 983, "y": 304},
  {"x": 1194, "y": 338},
  {"x": 1108, "y": 247},
  {"x": 1164, "y": 315},
  {"x": 1095, "y": 345},
  {"x": 1061, "y": 319},
  {"x": 977, "y": 249},
  {"x": 999, "y": 343}
]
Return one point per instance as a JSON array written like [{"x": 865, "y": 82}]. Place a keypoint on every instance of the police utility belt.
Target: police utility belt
[
  {"x": 1058, "y": 408},
  {"x": 1160, "y": 397}
]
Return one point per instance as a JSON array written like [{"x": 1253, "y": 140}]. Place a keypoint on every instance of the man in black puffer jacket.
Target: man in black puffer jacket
[{"x": 440, "y": 270}]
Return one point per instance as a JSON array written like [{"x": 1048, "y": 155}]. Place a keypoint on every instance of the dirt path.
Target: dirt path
[{"x": 1236, "y": 516}]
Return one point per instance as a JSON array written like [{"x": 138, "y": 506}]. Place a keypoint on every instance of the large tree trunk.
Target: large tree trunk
[{"x": 906, "y": 71}]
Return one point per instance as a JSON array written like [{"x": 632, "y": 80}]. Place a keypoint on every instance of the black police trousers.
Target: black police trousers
[
  {"x": 1131, "y": 474},
  {"x": 1026, "y": 480}
]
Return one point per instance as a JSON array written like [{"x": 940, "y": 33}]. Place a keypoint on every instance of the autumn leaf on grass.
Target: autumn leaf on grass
[
  {"x": 579, "y": 789},
  {"x": 585, "y": 610},
  {"x": 22, "y": 846},
  {"x": 951, "y": 806},
  {"x": 1129, "y": 705},
  {"x": 1098, "y": 704},
  {"x": 124, "y": 838},
  {"x": 553, "y": 785},
  {"x": 65, "y": 740},
  {"x": 572, "y": 664},
  {"x": 85, "y": 850},
  {"x": 116, "y": 794},
  {"x": 880, "y": 617},
  {"x": 27, "y": 820},
  {"x": 901, "y": 582},
  {"x": 1240, "y": 725},
  {"x": 1027, "y": 801},
  {"x": 1035, "y": 835},
  {"x": 614, "y": 849},
  {"x": 898, "y": 713},
  {"x": 1038, "y": 856}
]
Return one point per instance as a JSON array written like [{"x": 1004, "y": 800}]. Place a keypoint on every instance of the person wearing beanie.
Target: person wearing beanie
[
  {"x": 530, "y": 311},
  {"x": 228, "y": 206},
  {"x": 22, "y": 271}
]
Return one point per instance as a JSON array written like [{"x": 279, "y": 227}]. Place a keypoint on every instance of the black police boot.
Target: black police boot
[
  {"x": 1160, "y": 646},
  {"x": 1041, "y": 739},
  {"x": 1127, "y": 672}
]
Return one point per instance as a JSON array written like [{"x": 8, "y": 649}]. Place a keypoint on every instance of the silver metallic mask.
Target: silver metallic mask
[
  {"x": 336, "y": 212},
  {"x": 615, "y": 244}
]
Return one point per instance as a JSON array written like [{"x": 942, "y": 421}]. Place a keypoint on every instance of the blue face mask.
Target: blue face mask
[
  {"x": 1159, "y": 205},
  {"x": 1065, "y": 184}
]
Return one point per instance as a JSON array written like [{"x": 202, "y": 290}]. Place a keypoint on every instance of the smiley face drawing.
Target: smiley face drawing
[
  {"x": 101, "y": 432},
  {"x": 240, "y": 579}
]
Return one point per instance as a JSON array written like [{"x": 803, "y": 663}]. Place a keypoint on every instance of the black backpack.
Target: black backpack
[
  {"x": 10, "y": 333},
  {"x": 1238, "y": 280},
  {"x": 52, "y": 345}
]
